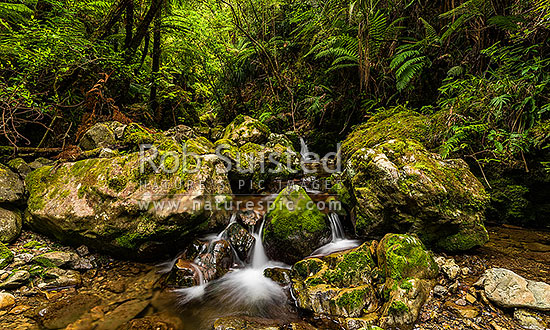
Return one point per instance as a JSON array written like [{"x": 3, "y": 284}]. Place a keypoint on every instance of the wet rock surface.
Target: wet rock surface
[
  {"x": 345, "y": 285},
  {"x": 131, "y": 295},
  {"x": 294, "y": 226},
  {"x": 99, "y": 202},
  {"x": 398, "y": 186}
]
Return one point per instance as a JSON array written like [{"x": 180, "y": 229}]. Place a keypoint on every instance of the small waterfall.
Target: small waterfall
[
  {"x": 242, "y": 291},
  {"x": 339, "y": 241},
  {"x": 336, "y": 227},
  {"x": 304, "y": 150},
  {"x": 259, "y": 258}
]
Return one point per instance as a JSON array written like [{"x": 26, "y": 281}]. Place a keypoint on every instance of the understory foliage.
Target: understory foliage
[{"x": 314, "y": 67}]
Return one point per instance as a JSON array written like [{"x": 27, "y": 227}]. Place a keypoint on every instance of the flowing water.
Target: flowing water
[
  {"x": 304, "y": 151},
  {"x": 242, "y": 291},
  {"x": 339, "y": 241}
]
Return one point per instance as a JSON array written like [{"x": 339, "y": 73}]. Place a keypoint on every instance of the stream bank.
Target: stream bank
[{"x": 135, "y": 292}]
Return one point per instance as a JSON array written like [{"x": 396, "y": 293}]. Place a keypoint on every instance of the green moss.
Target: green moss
[
  {"x": 303, "y": 216},
  {"x": 44, "y": 262},
  {"x": 403, "y": 256},
  {"x": 352, "y": 299},
  {"x": 130, "y": 240},
  {"x": 406, "y": 284},
  {"x": 33, "y": 245},
  {"x": 353, "y": 266},
  {"x": 307, "y": 267},
  {"x": 398, "y": 122},
  {"x": 398, "y": 307},
  {"x": 465, "y": 239},
  {"x": 117, "y": 183},
  {"x": 6, "y": 256}
]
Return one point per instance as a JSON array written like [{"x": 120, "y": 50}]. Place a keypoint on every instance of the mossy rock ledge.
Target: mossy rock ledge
[
  {"x": 294, "y": 226},
  {"x": 114, "y": 206},
  {"x": 400, "y": 186},
  {"x": 245, "y": 129},
  {"x": 381, "y": 283}
]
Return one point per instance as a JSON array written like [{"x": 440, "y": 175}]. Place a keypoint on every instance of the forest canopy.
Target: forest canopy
[{"x": 479, "y": 68}]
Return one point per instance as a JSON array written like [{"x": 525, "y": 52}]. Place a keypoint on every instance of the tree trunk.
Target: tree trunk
[
  {"x": 129, "y": 23},
  {"x": 113, "y": 17},
  {"x": 157, "y": 111},
  {"x": 143, "y": 27}
]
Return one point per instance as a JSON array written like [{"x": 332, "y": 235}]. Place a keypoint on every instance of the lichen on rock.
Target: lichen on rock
[
  {"x": 121, "y": 205},
  {"x": 399, "y": 184}
]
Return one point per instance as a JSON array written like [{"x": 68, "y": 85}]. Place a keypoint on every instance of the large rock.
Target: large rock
[
  {"x": 294, "y": 226},
  {"x": 115, "y": 206},
  {"x": 240, "y": 239},
  {"x": 409, "y": 271},
  {"x": 507, "y": 289},
  {"x": 12, "y": 188},
  {"x": 10, "y": 225},
  {"x": 246, "y": 129},
  {"x": 400, "y": 186},
  {"x": 258, "y": 163},
  {"x": 102, "y": 135},
  {"x": 386, "y": 282}
]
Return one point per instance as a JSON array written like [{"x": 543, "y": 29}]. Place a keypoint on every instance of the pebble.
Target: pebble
[
  {"x": 529, "y": 320},
  {"x": 453, "y": 288},
  {"x": 6, "y": 300},
  {"x": 470, "y": 298},
  {"x": 440, "y": 291}
]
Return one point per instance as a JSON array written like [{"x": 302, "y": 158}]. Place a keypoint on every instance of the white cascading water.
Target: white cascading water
[
  {"x": 304, "y": 150},
  {"x": 339, "y": 241},
  {"x": 242, "y": 291},
  {"x": 259, "y": 258}
]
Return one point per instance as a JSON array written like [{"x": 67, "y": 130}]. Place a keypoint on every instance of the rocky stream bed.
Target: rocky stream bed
[
  {"x": 131, "y": 295},
  {"x": 99, "y": 242}
]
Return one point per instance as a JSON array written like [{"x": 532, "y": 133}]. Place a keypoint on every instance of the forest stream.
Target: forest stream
[{"x": 275, "y": 164}]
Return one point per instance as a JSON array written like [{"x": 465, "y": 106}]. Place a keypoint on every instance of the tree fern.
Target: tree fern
[{"x": 407, "y": 64}]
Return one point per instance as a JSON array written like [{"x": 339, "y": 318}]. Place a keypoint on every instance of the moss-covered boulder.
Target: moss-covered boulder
[
  {"x": 383, "y": 283},
  {"x": 294, "y": 226},
  {"x": 246, "y": 129},
  {"x": 398, "y": 122},
  {"x": 121, "y": 205},
  {"x": 337, "y": 285},
  {"x": 19, "y": 166},
  {"x": 399, "y": 185},
  {"x": 102, "y": 135},
  {"x": 257, "y": 163}
]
